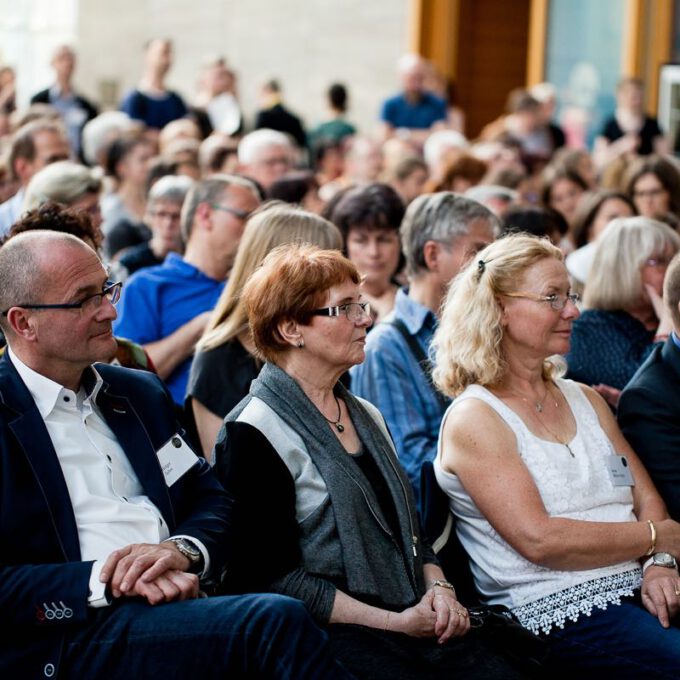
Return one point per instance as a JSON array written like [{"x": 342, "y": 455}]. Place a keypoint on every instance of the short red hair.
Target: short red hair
[{"x": 291, "y": 282}]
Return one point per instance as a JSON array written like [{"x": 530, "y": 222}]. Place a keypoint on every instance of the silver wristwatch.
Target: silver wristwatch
[
  {"x": 660, "y": 559},
  {"x": 190, "y": 551},
  {"x": 664, "y": 559}
]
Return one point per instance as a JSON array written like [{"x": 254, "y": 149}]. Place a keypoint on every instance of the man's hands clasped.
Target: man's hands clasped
[{"x": 154, "y": 572}]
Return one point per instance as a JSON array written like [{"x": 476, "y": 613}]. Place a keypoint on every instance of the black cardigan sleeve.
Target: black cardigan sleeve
[
  {"x": 266, "y": 543},
  {"x": 265, "y": 555}
]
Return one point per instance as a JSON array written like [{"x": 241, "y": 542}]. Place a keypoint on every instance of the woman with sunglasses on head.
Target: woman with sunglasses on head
[
  {"x": 560, "y": 520},
  {"x": 343, "y": 535}
]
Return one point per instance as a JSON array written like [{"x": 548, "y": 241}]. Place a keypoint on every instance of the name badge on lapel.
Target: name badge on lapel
[
  {"x": 176, "y": 459},
  {"x": 619, "y": 472}
]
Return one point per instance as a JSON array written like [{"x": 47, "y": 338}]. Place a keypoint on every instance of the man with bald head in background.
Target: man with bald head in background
[
  {"x": 265, "y": 155},
  {"x": 107, "y": 518}
]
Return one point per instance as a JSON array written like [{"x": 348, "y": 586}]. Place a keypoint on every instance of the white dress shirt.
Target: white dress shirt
[{"x": 109, "y": 503}]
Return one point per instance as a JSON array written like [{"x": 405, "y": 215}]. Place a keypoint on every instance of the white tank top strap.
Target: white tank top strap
[
  {"x": 580, "y": 405},
  {"x": 498, "y": 405},
  {"x": 511, "y": 419}
]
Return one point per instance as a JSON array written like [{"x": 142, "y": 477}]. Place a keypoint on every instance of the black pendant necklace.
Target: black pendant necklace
[{"x": 335, "y": 423}]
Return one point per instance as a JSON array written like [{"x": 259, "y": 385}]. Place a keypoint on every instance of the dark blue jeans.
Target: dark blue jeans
[
  {"x": 267, "y": 636},
  {"x": 620, "y": 642}
]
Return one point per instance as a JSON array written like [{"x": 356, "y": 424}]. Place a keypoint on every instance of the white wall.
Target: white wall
[
  {"x": 29, "y": 31},
  {"x": 305, "y": 43}
]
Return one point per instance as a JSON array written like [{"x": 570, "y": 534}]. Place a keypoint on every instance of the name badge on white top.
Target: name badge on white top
[
  {"x": 619, "y": 472},
  {"x": 176, "y": 459}
]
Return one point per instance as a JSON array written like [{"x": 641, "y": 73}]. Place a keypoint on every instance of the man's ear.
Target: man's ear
[
  {"x": 291, "y": 333},
  {"x": 431, "y": 251},
  {"x": 202, "y": 216},
  {"x": 21, "y": 323}
]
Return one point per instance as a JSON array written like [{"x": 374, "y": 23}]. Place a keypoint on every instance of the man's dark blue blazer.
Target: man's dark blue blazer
[
  {"x": 40, "y": 561},
  {"x": 649, "y": 417}
]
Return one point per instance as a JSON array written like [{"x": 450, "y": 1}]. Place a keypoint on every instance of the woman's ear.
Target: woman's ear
[
  {"x": 504, "y": 312},
  {"x": 290, "y": 331}
]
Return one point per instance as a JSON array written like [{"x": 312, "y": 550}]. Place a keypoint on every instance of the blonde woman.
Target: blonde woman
[
  {"x": 224, "y": 364},
  {"x": 553, "y": 507}
]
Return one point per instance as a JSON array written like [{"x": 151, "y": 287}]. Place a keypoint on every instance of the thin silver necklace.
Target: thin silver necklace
[
  {"x": 539, "y": 409},
  {"x": 537, "y": 404},
  {"x": 335, "y": 423}
]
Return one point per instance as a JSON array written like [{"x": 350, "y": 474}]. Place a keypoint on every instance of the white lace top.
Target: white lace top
[{"x": 576, "y": 488}]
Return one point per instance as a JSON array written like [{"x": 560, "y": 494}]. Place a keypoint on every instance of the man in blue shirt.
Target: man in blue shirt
[
  {"x": 165, "y": 308},
  {"x": 151, "y": 102},
  {"x": 440, "y": 233},
  {"x": 413, "y": 110}
]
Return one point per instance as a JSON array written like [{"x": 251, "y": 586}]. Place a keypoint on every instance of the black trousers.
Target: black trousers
[{"x": 376, "y": 655}]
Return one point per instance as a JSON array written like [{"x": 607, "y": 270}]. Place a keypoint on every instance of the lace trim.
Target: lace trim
[{"x": 553, "y": 610}]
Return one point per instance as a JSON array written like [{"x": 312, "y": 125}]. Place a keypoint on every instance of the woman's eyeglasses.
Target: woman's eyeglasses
[
  {"x": 354, "y": 311},
  {"x": 556, "y": 302}
]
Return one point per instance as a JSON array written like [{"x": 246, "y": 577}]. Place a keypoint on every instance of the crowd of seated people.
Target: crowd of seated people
[{"x": 315, "y": 315}]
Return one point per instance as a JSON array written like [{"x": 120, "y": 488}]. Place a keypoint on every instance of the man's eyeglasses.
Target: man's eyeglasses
[
  {"x": 110, "y": 291},
  {"x": 557, "y": 302},
  {"x": 236, "y": 212},
  {"x": 354, "y": 311}
]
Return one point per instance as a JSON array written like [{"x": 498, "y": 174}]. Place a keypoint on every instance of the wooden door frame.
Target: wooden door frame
[{"x": 433, "y": 31}]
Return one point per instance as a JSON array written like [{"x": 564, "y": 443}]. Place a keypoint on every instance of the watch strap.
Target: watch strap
[{"x": 650, "y": 562}]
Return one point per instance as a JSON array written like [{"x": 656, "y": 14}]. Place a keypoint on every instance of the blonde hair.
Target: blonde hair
[
  {"x": 63, "y": 182},
  {"x": 273, "y": 225},
  {"x": 615, "y": 281},
  {"x": 468, "y": 342}
]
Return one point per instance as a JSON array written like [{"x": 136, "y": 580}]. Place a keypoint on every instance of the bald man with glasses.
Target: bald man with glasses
[{"x": 108, "y": 520}]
